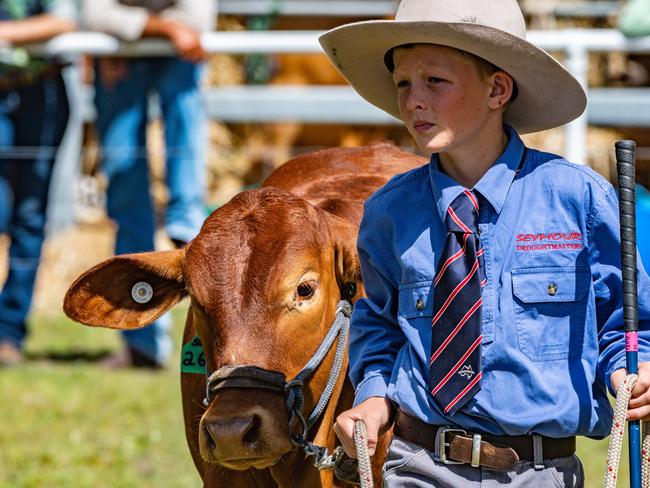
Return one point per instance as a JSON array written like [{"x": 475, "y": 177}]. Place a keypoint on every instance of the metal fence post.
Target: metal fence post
[{"x": 575, "y": 132}]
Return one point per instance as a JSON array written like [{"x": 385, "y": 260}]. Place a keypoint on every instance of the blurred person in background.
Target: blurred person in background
[
  {"x": 634, "y": 18},
  {"x": 33, "y": 118},
  {"x": 634, "y": 21},
  {"x": 643, "y": 223},
  {"x": 122, "y": 87}
]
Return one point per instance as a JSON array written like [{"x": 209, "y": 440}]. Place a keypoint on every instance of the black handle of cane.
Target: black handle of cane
[
  {"x": 625, "y": 152},
  {"x": 625, "y": 167}
]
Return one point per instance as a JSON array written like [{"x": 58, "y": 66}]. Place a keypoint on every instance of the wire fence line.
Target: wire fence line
[{"x": 109, "y": 153}]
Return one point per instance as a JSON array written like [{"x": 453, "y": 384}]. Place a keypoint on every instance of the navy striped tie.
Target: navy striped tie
[{"x": 455, "y": 362}]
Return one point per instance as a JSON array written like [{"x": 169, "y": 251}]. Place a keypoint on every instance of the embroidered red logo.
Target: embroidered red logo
[{"x": 552, "y": 241}]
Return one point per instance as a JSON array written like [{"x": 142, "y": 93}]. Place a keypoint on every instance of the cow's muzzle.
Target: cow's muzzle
[
  {"x": 242, "y": 439},
  {"x": 253, "y": 377}
]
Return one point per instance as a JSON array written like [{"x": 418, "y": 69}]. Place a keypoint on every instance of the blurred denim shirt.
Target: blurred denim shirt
[{"x": 552, "y": 314}]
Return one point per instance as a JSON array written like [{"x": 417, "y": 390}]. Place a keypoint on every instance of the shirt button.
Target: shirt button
[
  {"x": 419, "y": 304},
  {"x": 552, "y": 289}
]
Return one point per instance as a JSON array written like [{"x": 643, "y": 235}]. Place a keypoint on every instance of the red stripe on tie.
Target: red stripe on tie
[
  {"x": 472, "y": 198},
  {"x": 480, "y": 252},
  {"x": 457, "y": 365},
  {"x": 471, "y": 384},
  {"x": 451, "y": 335},
  {"x": 453, "y": 294},
  {"x": 451, "y": 260},
  {"x": 458, "y": 221},
  {"x": 484, "y": 282}
]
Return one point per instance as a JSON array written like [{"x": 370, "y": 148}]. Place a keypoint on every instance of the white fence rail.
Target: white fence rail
[
  {"x": 308, "y": 8},
  {"x": 385, "y": 8}
]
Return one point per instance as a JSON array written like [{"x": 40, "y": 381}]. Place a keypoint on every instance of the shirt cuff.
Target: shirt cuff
[
  {"x": 133, "y": 28},
  {"x": 620, "y": 359},
  {"x": 374, "y": 385},
  {"x": 202, "y": 23},
  {"x": 126, "y": 23},
  {"x": 616, "y": 364}
]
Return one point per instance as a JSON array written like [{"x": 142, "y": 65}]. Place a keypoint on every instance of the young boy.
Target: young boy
[{"x": 493, "y": 319}]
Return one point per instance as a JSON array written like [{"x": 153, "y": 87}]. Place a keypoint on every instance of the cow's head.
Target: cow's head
[{"x": 264, "y": 276}]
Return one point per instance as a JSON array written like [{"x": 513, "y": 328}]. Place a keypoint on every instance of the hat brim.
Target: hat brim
[{"x": 548, "y": 95}]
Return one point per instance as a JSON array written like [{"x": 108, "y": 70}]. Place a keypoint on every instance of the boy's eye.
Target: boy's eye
[
  {"x": 402, "y": 84},
  {"x": 433, "y": 79}
]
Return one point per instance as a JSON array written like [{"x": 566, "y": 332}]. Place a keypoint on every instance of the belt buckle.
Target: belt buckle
[
  {"x": 443, "y": 444},
  {"x": 476, "y": 451}
]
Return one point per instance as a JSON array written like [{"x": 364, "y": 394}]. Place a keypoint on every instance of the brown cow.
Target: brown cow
[{"x": 264, "y": 276}]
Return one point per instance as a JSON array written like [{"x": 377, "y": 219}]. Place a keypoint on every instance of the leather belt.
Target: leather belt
[{"x": 457, "y": 446}]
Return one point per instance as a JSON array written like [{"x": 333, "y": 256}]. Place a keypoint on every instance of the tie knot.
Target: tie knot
[{"x": 462, "y": 214}]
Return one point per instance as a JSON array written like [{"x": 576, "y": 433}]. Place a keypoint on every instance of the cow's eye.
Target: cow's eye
[{"x": 305, "y": 290}]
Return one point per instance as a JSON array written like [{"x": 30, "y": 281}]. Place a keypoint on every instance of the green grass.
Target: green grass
[
  {"x": 70, "y": 423},
  {"x": 594, "y": 456}
]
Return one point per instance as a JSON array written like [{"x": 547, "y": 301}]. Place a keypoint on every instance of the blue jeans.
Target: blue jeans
[
  {"x": 32, "y": 122},
  {"x": 121, "y": 120}
]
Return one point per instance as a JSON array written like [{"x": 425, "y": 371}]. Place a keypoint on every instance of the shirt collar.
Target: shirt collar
[{"x": 494, "y": 184}]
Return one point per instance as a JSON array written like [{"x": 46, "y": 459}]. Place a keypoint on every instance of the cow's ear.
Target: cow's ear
[
  {"x": 128, "y": 291},
  {"x": 348, "y": 272}
]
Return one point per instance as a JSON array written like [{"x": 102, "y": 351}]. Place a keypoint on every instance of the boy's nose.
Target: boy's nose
[{"x": 415, "y": 100}]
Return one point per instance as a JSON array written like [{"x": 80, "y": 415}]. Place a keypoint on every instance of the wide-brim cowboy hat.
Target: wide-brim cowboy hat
[{"x": 495, "y": 30}]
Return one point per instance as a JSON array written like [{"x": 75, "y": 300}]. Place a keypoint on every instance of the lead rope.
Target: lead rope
[
  {"x": 616, "y": 437},
  {"x": 363, "y": 458}
]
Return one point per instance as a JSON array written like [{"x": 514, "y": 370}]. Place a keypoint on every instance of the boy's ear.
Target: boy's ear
[
  {"x": 127, "y": 292},
  {"x": 502, "y": 89}
]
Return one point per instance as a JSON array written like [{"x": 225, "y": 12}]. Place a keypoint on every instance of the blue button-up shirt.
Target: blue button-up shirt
[{"x": 552, "y": 310}]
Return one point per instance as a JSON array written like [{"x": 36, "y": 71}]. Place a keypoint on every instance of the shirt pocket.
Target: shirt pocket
[
  {"x": 416, "y": 300},
  {"x": 415, "y": 311},
  {"x": 550, "y": 306}
]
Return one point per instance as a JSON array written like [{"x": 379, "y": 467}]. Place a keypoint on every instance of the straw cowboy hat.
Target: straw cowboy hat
[{"x": 548, "y": 95}]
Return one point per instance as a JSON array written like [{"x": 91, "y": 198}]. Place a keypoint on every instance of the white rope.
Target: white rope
[
  {"x": 616, "y": 437},
  {"x": 363, "y": 458},
  {"x": 645, "y": 453}
]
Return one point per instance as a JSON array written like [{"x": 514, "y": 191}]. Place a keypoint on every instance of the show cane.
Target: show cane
[{"x": 626, "y": 183}]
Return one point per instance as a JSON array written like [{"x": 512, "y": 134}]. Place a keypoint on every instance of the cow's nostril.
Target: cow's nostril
[
  {"x": 238, "y": 431},
  {"x": 209, "y": 438},
  {"x": 253, "y": 435}
]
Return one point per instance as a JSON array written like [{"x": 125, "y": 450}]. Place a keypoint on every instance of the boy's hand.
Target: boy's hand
[
  {"x": 639, "y": 408},
  {"x": 376, "y": 413}
]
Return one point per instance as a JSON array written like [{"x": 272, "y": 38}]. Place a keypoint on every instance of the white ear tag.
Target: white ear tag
[{"x": 142, "y": 292}]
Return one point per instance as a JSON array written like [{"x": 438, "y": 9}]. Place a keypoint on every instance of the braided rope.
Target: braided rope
[
  {"x": 616, "y": 437},
  {"x": 618, "y": 429},
  {"x": 363, "y": 458},
  {"x": 645, "y": 453}
]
